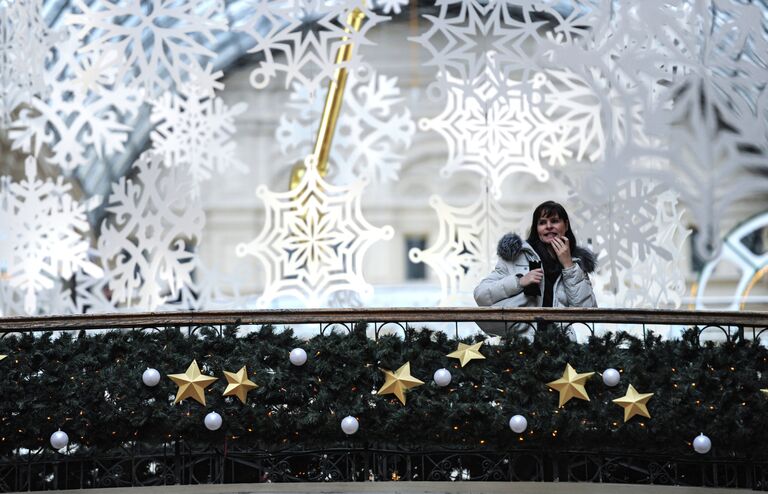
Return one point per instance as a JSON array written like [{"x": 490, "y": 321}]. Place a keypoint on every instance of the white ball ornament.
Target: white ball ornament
[
  {"x": 298, "y": 356},
  {"x": 702, "y": 444},
  {"x": 611, "y": 377},
  {"x": 59, "y": 439},
  {"x": 150, "y": 377},
  {"x": 442, "y": 377},
  {"x": 349, "y": 425},
  {"x": 213, "y": 421},
  {"x": 518, "y": 423}
]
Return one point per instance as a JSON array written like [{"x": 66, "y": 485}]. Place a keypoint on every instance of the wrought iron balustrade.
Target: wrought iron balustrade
[{"x": 179, "y": 462}]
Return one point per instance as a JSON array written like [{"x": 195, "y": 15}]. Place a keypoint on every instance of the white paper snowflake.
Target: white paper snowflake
[
  {"x": 650, "y": 281},
  {"x": 161, "y": 42},
  {"x": 148, "y": 240},
  {"x": 300, "y": 38},
  {"x": 75, "y": 119},
  {"x": 491, "y": 136},
  {"x": 314, "y": 240},
  {"x": 498, "y": 43},
  {"x": 44, "y": 234},
  {"x": 24, "y": 43},
  {"x": 465, "y": 249},
  {"x": 209, "y": 290},
  {"x": 373, "y": 132},
  {"x": 195, "y": 131}
]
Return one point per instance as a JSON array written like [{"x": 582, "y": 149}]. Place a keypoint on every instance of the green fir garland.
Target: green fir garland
[{"x": 90, "y": 386}]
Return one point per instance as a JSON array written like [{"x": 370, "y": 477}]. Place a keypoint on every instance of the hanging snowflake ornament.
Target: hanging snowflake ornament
[
  {"x": 161, "y": 42},
  {"x": 373, "y": 132},
  {"x": 44, "y": 234},
  {"x": 78, "y": 116},
  {"x": 24, "y": 43},
  {"x": 195, "y": 131},
  {"x": 499, "y": 43},
  {"x": 300, "y": 38},
  {"x": 493, "y": 137},
  {"x": 314, "y": 240},
  {"x": 652, "y": 281},
  {"x": 149, "y": 237},
  {"x": 465, "y": 249}
]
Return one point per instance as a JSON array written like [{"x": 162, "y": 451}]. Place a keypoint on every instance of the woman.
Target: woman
[{"x": 546, "y": 270}]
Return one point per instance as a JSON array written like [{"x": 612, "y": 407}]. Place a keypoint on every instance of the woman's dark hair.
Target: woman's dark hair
[{"x": 545, "y": 210}]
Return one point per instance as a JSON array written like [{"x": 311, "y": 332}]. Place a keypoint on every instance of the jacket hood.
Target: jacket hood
[{"x": 511, "y": 245}]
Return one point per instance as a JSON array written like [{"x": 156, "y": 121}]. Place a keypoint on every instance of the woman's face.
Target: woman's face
[{"x": 549, "y": 227}]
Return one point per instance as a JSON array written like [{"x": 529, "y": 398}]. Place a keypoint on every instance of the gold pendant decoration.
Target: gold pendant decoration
[
  {"x": 238, "y": 384},
  {"x": 191, "y": 384},
  {"x": 465, "y": 353},
  {"x": 397, "y": 382},
  {"x": 634, "y": 403},
  {"x": 571, "y": 385}
]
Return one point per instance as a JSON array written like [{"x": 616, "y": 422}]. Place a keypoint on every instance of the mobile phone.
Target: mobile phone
[{"x": 532, "y": 290}]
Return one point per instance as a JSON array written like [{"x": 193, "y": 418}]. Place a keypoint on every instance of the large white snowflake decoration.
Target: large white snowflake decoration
[
  {"x": 497, "y": 42},
  {"x": 44, "y": 234},
  {"x": 195, "y": 131},
  {"x": 314, "y": 240},
  {"x": 465, "y": 249},
  {"x": 300, "y": 38},
  {"x": 148, "y": 240},
  {"x": 161, "y": 42},
  {"x": 24, "y": 43},
  {"x": 619, "y": 220},
  {"x": 653, "y": 281},
  {"x": 699, "y": 73},
  {"x": 373, "y": 132},
  {"x": 78, "y": 115},
  {"x": 494, "y": 137}
]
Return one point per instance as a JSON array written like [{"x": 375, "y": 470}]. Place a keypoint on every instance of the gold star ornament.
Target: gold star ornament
[
  {"x": 634, "y": 403},
  {"x": 238, "y": 384},
  {"x": 465, "y": 353},
  {"x": 397, "y": 382},
  {"x": 571, "y": 385},
  {"x": 191, "y": 384}
]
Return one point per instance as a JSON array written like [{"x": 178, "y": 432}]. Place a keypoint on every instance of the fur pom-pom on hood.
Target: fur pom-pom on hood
[{"x": 510, "y": 246}]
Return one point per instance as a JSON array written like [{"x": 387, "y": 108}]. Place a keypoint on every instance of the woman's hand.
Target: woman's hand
[
  {"x": 532, "y": 277},
  {"x": 562, "y": 250}
]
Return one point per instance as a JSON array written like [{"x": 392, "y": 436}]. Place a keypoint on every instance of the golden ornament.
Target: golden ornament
[
  {"x": 191, "y": 384},
  {"x": 397, "y": 382},
  {"x": 238, "y": 384},
  {"x": 571, "y": 385},
  {"x": 2, "y": 357},
  {"x": 465, "y": 353},
  {"x": 634, "y": 403}
]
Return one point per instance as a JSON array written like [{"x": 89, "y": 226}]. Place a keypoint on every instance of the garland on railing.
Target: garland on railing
[{"x": 90, "y": 385}]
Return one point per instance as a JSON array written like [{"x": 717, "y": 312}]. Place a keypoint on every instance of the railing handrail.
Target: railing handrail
[{"x": 368, "y": 315}]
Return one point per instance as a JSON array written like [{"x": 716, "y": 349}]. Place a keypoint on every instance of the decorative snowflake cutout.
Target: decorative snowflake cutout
[
  {"x": 372, "y": 134},
  {"x": 74, "y": 119},
  {"x": 619, "y": 220},
  {"x": 300, "y": 38},
  {"x": 44, "y": 234},
  {"x": 195, "y": 132},
  {"x": 491, "y": 136},
  {"x": 314, "y": 240},
  {"x": 148, "y": 240},
  {"x": 208, "y": 290},
  {"x": 24, "y": 43},
  {"x": 653, "y": 281},
  {"x": 173, "y": 52},
  {"x": 465, "y": 249},
  {"x": 498, "y": 42}
]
